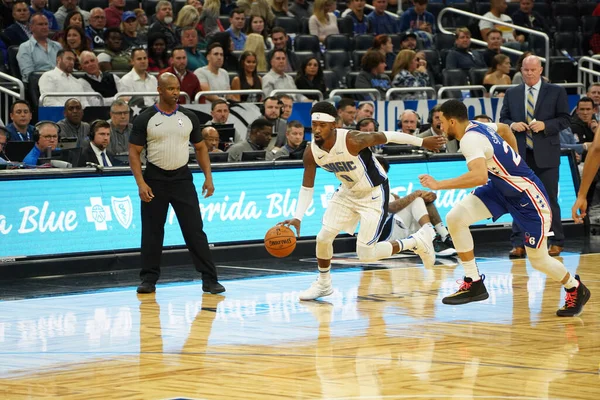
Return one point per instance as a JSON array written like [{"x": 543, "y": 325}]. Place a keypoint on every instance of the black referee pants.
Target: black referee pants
[{"x": 176, "y": 188}]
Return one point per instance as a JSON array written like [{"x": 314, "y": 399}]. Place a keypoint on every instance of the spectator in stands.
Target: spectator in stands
[
  {"x": 97, "y": 150},
  {"x": 301, "y": 9},
  {"x": 209, "y": 18},
  {"x": 594, "y": 94},
  {"x": 189, "y": 40},
  {"x": 276, "y": 78},
  {"x": 213, "y": 77},
  {"x": 142, "y": 20},
  {"x": 255, "y": 44},
  {"x": 583, "y": 123},
  {"x": 94, "y": 80},
  {"x": 451, "y": 146},
  {"x": 230, "y": 61},
  {"x": 280, "y": 8},
  {"x": 60, "y": 79},
  {"x": 287, "y": 102},
  {"x": 382, "y": 23},
  {"x": 494, "y": 42},
  {"x": 323, "y": 23},
  {"x": 72, "y": 125},
  {"x": 247, "y": 77},
  {"x": 257, "y": 25},
  {"x": 526, "y": 17},
  {"x": 164, "y": 23},
  {"x": 3, "y": 140},
  {"x": 130, "y": 34},
  {"x": 384, "y": 44},
  {"x": 498, "y": 73},
  {"x": 95, "y": 30},
  {"x": 39, "y": 52},
  {"x": 236, "y": 25},
  {"x": 408, "y": 41},
  {"x": 294, "y": 146},
  {"x": 260, "y": 135},
  {"x": 356, "y": 11},
  {"x": 280, "y": 42},
  {"x": 158, "y": 58},
  {"x": 47, "y": 141},
  {"x": 20, "y": 129},
  {"x": 258, "y": 7},
  {"x": 74, "y": 18},
  {"x": 410, "y": 71},
  {"x": 114, "y": 57},
  {"x": 461, "y": 56},
  {"x": 219, "y": 110},
  {"x": 212, "y": 139},
  {"x": 272, "y": 110},
  {"x": 517, "y": 77},
  {"x": 138, "y": 79},
  {"x": 310, "y": 76},
  {"x": 19, "y": 31},
  {"x": 187, "y": 17},
  {"x": 39, "y": 6},
  {"x": 346, "y": 110},
  {"x": 372, "y": 74},
  {"x": 6, "y": 18},
  {"x": 509, "y": 35},
  {"x": 114, "y": 13},
  {"x": 188, "y": 82},
  {"x": 76, "y": 41},
  {"x": 417, "y": 19},
  {"x": 594, "y": 43},
  {"x": 366, "y": 109},
  {"x": 366, "y": 125},
  {"x": 197, "y": 4},
  {"x": 409, "y": 122},
  {"x": 67, "y": 7},
  {"x": 120, "y": 127}
]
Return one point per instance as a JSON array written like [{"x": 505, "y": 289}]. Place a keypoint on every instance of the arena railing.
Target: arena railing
[
  {"x": 340, "y": 92},
  {"x": 585, "y": 74},
  {"x": 297, "y": 91},
  {"x": 461, "y": 87},
  {"x": 428, "y": 89},
  {"x": 509, "y": 50},
  {"x": 71, "y": 94},
  {"x": 199, "y": 95},
  {"x": 6, "y": 92},
  {"x": 148, "y": 94},
  {"x": 579, "y": 86}
]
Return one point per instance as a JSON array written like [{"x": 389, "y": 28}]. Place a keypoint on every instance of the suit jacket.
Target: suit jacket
[
  {"x": 88, "y": 155},
  {"x": 15, "y": 35},
  {"x": 552, "y": 108},
  {"x": 451, "y": 145}
]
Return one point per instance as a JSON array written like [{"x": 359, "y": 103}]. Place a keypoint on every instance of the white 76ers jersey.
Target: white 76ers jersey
[{"x": 357, "y": 173}]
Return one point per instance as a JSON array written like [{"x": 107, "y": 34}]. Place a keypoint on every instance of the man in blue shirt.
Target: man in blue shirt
[
  {"x": 236, "y": 24},
  {"x": 420, "y": 21},
  {"x": 20, "y": 130},
  {"x": 46, "y": 139},
  {"x": 382, "y": 23},
  {"x": 39, "y": 6}
]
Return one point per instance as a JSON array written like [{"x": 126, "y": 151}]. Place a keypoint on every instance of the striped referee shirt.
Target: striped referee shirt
[{"x": 166, "y": 136}]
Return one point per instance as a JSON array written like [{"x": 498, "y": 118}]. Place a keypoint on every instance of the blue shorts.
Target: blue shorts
[{"x": 530, "y": 210}]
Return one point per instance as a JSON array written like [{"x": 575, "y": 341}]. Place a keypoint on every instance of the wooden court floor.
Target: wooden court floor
[{"x": 383, "y": 334}]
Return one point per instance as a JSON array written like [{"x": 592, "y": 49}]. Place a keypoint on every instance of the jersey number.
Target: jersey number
[
  {"x": 515, "y": 156},
  {"x": 346, "y": 177}
]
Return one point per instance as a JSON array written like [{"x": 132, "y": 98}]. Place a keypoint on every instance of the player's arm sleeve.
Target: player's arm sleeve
[{"x": 472, "y": 147}]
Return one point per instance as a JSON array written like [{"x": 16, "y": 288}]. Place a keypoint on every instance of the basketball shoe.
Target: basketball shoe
[
  {"x": 467, "y": 292},
  {"x": 444, "y": 248},
  {"x": 575, "y": 299},
  {"x": 316, "y": 290},
  {"x": 424, "y": 247}
]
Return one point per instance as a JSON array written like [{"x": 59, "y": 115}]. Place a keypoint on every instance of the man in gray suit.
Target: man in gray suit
[
  {"x": 436, "y": 130},
  {"x": 537, "y": 111}
]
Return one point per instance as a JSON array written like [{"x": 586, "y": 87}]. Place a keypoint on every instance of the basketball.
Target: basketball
[{"x": 280, "y": 241}]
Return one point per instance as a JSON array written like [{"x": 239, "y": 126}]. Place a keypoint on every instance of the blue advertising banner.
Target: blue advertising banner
[{"x": 75, "y": 214}]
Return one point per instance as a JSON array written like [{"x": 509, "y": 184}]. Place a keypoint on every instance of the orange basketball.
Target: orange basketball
[{"x": 280, "y": 241}]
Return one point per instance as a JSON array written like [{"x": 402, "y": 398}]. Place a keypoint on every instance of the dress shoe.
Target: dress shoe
[
  {"x": 555, "y": 250},
  {"x": 146, "y": 287},
  {"x": 212, "y": 287},
  {"x": 517, "y": 252}
]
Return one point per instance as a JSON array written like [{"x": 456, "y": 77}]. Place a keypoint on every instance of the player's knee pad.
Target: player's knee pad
[
  {"x": 366, "y": 253},
  {"x": 325, "y": 239},
  {"x": 541, "y": 260},
  {"x": 418, "y": 208},
  {"x": 455, "y": 219}
]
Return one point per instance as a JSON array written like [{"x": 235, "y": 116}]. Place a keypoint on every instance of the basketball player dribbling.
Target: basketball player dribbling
[
  {"x": 491, "y": 153},
  {"x": 362, "y": 196}
]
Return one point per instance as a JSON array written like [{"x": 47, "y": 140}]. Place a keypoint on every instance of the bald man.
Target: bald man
[{"x": 212, "y": 139}]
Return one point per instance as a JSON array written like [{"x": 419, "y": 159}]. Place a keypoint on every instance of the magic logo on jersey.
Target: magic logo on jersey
[{"x": 340, "y": 166}]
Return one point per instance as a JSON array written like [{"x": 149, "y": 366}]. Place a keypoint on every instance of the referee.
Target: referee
[{"x": 165, "y": 130}]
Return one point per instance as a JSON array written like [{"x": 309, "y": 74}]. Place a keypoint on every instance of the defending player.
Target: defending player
[
  {"x": 362, "y": 197},
  {"x": 491, "y": 152}
]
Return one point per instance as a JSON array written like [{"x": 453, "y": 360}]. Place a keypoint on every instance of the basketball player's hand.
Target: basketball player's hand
[
  {"x": 537, "y": 126},
  {"x": 428, "y": 197},
  {"x": 519, "y": 126},
  {"x": 208, "y": 189},
  {"x": 428, "y": 181},
  {"x": 292, "y": 222},
  {"x": 145, "y": 192},
  {"x": 578, "y": 210},
  {"x": 433, "y": 143}
]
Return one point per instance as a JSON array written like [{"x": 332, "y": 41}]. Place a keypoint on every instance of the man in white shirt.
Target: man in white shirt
[
  {"x": 138, "y": 79},
  {"x": 276, "y": 78},
  {"x": 213, "y": 77},
  {"x": 105, "y": 83},
  {"x": 509, "y": 35},
  {"x": 96, "y": 152},
  {"x": 60, "y": 80}
]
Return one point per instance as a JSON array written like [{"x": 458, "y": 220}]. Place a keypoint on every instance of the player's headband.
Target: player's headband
[{"x": 322, "y": 117}]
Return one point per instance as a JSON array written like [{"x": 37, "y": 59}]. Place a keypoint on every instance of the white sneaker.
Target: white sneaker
[
  {"x": 316, "y": 290},
  {"x": 424, "y": 248}
]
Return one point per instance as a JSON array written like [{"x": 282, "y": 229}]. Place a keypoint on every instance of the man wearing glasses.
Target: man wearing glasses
[
  {"x": 46, "y": 139},
  {"x": 97, "y": 27},
  {"x": 120, "y": 128}
]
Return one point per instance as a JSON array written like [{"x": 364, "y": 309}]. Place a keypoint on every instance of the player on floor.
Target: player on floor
[
  {"x": 362, "y": 196},
  {"x": 406, "y": 215},
  {"x": 491, "y": 152}
]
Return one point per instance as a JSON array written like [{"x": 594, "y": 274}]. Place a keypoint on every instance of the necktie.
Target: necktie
[
  {"x": 104, "y": 161},
  {"x": 530, "y": 111}
]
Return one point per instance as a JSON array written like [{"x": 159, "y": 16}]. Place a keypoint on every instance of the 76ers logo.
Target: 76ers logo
[{"x": 530, "y": 239}]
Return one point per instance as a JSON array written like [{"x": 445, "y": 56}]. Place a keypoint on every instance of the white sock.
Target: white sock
[
  {"x": 571, "y": 283},
  {"x": 442, "y": 231},
  {"x": 471, "y": 270},
  {"x": 324, "y": 275},
  {"x": 428, "y": 227},
  {"x": 407, "y": 244}
]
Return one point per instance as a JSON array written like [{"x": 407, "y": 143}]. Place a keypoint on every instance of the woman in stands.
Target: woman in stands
[
  {"x": 384, "y": 45},
  {"x": 410, "y": 71},
  {"x": 142, "y": 20},
  {"x": 75, "y": 40},
  {"x": 158, "y": 58},
  {"x": 255, "y": 44},
  {"x": 188, "y": 16},
  {"x": 310, "y": 76},
  {"x": 131, "y": 35},
  {"x": 74, "y": 18},
  {"x": 498, "y": 73},
  {"x": 372, "y": 75},
  {"x": 256, "y": 24},
  {"x": 247, "y": 78},
  {"x": 258, "y": 7},
  {"x": 323, "y": 23},
  {"x": 280, "y": 8},
  {"x": 210, "y": 18}
]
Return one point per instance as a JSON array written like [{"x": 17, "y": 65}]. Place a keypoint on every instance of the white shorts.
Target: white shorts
[
  {"x": 346, "y": 209},
  {"x": 403, "y": 225}
]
